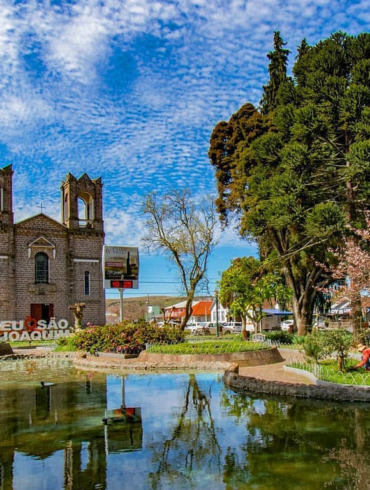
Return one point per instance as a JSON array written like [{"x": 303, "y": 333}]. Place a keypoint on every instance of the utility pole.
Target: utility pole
[{"x": 217, "y": 325}]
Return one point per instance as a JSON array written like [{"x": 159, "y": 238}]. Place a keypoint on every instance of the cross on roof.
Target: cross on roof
[{"x": 41, "y": 207}]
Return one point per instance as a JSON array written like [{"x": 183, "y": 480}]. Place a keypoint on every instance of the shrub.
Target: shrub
[
  {"x": 65, "y": 344},
  {"x": 338, "y": 341},
  {"x": 126, "y": 337},
  {"x": 299, "y": 339},
  {"x": 280, "y": 336},
  {"x": 314, "y": 346}
]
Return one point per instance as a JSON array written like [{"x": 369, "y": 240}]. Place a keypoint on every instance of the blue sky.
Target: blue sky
[{"x": 131, "y": 90}]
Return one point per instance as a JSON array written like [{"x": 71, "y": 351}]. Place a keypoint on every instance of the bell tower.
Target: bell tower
[
  {"x": 82, "y": 206},
  {"x": 7, "y": 245},
  {"x": 6, "y": 199}
]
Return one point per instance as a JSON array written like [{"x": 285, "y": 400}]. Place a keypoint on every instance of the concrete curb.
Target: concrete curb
[{"x": 328, "y": 391}]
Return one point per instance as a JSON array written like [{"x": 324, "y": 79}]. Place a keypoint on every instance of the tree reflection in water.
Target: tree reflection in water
[
  {"x": 193, "y": 446},
  {"x": 306, "y": 443}
]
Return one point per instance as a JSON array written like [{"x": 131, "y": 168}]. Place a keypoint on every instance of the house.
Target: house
[
  {"x": 340, "y": 314},
  {"x": 201, "y": 311},
  {"x": 271, "y": 320}
]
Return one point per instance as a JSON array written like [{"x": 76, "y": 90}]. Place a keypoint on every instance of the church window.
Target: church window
[
  {"x": 1, "y": 199},
  {"x": 85, "y": 210},
  {"x": 41, "y": 268},
  {"x": 87, "y": 283}
]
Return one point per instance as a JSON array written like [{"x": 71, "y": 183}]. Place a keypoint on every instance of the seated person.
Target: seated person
[{"x": 365, "y": 351}]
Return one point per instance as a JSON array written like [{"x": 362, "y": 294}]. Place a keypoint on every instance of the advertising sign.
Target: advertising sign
[{"x": 121, "y": 267}]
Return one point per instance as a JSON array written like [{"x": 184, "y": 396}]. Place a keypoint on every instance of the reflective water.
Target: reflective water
[{"x": 173, "y": 431}]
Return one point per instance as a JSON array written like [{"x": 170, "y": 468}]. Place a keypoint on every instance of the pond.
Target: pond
[{"x": 169, "y": 431}]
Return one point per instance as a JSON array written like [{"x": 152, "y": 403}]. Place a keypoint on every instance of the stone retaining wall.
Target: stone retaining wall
[
  {"x": 248, "y": 358},
  {"x": 204, "y": 362},
  {"x": 338, "y": 393}
]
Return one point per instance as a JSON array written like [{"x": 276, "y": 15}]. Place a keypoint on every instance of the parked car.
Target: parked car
[
  {"x": 172, "y": 324},
  {"x": 234, "y": 327},
  {"x": 198, "y": 328},
  {"x": 287, "y": 325}
]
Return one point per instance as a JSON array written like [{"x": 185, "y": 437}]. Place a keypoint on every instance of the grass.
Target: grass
[
  {"x": 328, "y": 371},
  {"x": 65, "y": 344},
  {"x": 33, "y": 343},
  {"x": 207, "y": 347}
]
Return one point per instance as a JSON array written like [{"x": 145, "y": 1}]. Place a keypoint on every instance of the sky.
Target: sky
[{"x": 130, "y": 91}]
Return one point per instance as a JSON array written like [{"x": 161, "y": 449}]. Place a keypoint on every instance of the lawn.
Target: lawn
[
  {"x": 207, "y": 347},
  {"x": 328, "y": 371}
]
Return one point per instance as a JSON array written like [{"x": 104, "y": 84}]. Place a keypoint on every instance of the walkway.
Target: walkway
[{"x": 275, "y": 372}]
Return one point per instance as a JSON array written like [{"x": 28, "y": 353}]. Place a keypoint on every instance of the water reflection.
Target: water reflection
[{"x": 169, "y": 431}]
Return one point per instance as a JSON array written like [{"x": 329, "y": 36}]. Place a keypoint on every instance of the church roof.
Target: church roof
[{"x": 49, "y": 222}]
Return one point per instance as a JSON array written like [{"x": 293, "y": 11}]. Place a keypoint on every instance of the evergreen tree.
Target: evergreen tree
[
  {"x": 277, "y": 73},
  {"x": 304, "y": 174}
]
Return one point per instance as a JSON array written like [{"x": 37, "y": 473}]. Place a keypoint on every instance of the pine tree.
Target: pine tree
[{"x": 277, "y": 72}]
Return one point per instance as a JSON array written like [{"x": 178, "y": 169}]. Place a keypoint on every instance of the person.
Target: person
[{"x": 365, "y": 362}]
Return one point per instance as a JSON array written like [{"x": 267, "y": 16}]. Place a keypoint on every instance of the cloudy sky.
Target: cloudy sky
[{"x": 130, "y": 90}]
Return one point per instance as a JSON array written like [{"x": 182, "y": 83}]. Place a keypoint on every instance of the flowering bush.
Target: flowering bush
[{"x": 126, "y": 337}]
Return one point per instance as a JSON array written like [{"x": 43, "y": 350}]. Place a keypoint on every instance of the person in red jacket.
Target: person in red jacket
[{"x": 365, "y": 351}]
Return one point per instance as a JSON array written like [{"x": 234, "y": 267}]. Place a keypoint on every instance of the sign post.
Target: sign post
[
  {"x": 121, "y": 304},
  {"x": 120, "y": 270}
]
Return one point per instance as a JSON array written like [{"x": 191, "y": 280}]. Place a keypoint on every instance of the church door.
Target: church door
[{"x": 42, "y": 311}]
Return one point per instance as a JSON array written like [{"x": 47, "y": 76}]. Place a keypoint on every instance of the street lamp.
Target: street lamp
[{"x": 217, "y": 325}]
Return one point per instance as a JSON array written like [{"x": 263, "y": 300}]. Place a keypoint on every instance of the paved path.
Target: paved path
[{"x": 275, "y": 372}]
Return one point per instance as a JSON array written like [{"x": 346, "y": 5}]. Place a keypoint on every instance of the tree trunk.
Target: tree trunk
[
  {"x": 188, "y": 311},
  {"x": 244, "y": 331},
  {"x": 302, "y": 312},
  {"x": 340, "y": 363}
]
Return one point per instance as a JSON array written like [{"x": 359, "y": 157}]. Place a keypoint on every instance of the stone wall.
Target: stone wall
[{"x": 338, "y": 393}]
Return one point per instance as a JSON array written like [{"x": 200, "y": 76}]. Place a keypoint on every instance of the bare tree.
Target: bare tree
[{"x": 184, "y": 231}]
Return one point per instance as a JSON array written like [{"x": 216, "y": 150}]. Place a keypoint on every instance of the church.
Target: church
[{"x": 47, "y": 266}]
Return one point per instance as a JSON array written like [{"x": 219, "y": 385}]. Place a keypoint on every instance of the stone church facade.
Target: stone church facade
[{"x": 47, "y": 266}]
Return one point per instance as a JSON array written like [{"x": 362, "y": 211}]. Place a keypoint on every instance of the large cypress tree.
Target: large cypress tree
[{"x": 305, "y": 173}]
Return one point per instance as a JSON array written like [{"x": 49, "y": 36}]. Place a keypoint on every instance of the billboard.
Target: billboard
[{"x": 120, "y": 267}]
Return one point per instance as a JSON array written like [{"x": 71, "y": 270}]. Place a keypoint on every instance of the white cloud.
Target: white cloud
[{"x": 122, "y": 228}]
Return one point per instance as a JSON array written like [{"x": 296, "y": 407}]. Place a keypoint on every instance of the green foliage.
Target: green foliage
[
  {"x": 277, "y": 71},
  {"x": 301, "y": 170},
  {"x": 280, "y": 336},
  {"x": 246, "y": 284},
  {"x": 314, "y": 346},
  {"x": 126, "y": 337},
  {"x": 207, "y": 347},
  {"x": 327, "y": 371},
  {"x": 66, "y": 344},
  {"x": 319, "y": 345}
]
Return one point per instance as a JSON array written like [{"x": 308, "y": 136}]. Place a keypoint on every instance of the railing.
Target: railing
[
  {"x": 85, "y": 223},
  {"x": 339, "y": 325}
]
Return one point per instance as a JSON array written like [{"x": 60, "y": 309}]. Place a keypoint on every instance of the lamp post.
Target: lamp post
[{"x": 217, "y": 325}]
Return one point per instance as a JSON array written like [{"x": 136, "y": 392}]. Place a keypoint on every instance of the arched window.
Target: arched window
[
  {"x": 1, "y": 199},
  {"x": 87, "y": 283},
  {"x": 41, "y": 268}
]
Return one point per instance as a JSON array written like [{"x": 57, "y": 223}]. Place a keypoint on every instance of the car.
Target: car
[
  {"x": 234, "y": 327},
  {"x": 319, "y": 325},
  {"x": 287, "y": 325},
  {"x": 197, "y": 328},
  {"x": 167, "y": 324}
]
